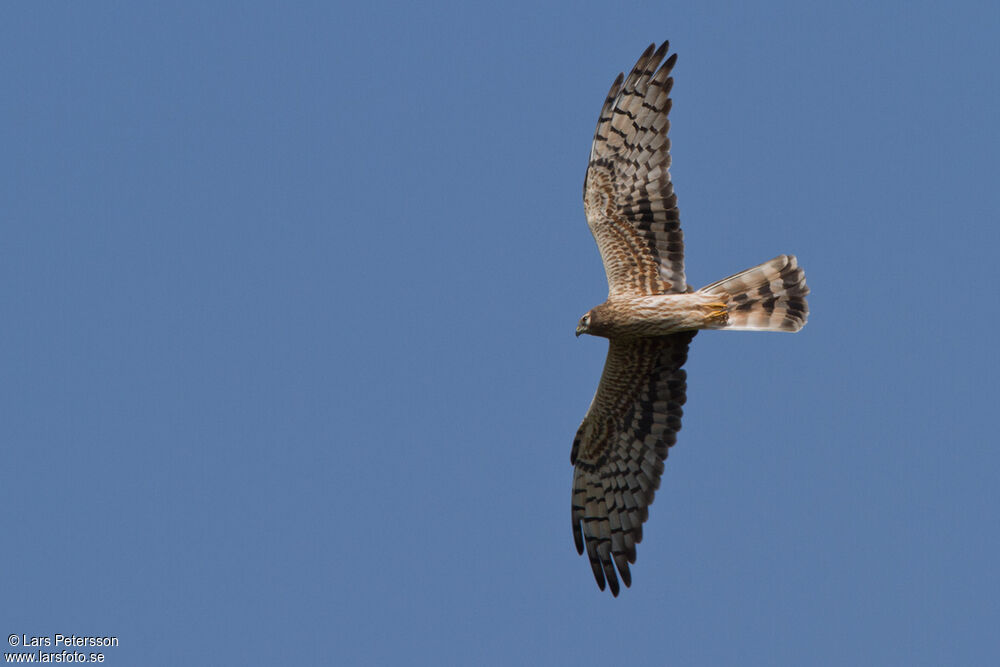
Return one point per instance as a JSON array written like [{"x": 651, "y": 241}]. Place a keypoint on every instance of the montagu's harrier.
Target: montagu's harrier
[{"x": 650, "y": 317}]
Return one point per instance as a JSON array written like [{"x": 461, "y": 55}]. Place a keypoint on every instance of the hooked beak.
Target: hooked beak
[{"x": 579, "y": 330}]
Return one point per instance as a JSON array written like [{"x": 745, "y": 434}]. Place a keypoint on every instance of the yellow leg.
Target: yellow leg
[{"x": 718, "y": 315}]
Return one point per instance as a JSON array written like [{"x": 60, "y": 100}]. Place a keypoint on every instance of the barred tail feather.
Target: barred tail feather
[{"x": 769, "y": 297}]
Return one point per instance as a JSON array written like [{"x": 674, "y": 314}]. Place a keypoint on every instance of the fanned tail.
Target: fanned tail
[{"x": 769, "y": 297}]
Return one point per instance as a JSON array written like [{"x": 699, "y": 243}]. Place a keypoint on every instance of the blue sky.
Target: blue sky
[{"x": 288, "y": 300}]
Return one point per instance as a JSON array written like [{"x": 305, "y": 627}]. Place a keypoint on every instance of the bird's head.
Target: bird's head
[{"x": 594, "y": 322}]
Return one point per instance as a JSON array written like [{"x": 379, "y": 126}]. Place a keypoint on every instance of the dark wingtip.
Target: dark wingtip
[
  {"x": 599, "y": 575},
  {"x": 578, "y": 537},
  {"x": 662, "y": 51},
  {"x": 612, "y": 576}
]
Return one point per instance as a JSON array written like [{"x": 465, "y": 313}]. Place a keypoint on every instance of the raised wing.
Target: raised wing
[
  {"x": 620, "y": 448},
  {"x": 628, "y": 197}
]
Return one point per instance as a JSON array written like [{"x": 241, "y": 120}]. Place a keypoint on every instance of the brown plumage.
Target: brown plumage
[{"x": 650, "y": 317}]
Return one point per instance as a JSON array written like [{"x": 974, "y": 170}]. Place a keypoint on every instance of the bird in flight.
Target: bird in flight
[{"x": 649, "y": 318}]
